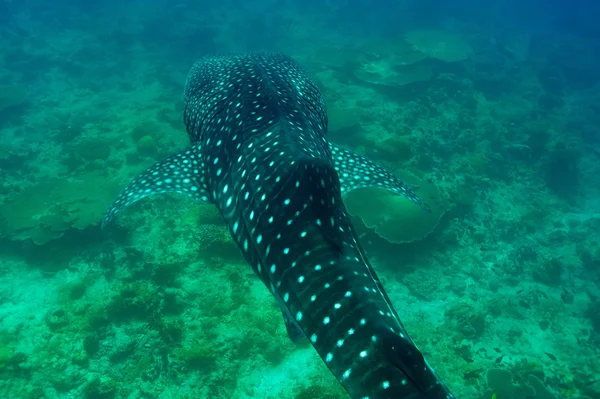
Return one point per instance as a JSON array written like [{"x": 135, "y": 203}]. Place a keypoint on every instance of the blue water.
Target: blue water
[{"x": 489, "y": 109}]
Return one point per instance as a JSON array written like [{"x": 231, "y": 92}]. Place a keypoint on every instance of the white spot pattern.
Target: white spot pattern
[
  {"x": 356, "y": 171},
  {"x": 257, "y": 125}
]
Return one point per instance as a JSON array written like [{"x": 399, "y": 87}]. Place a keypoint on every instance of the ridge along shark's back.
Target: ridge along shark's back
[{"x": 257, "y": 124}]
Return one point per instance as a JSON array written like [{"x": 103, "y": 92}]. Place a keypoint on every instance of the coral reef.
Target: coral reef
[
  {"x": 498, "y": 286},
  {"x": 389, "y": 215},
  {"x": 422, "y": 285},
  {"x": 43, "y": 212},
  {"x": 501, "y": 383},
  {"x": 466, "y": 319}
]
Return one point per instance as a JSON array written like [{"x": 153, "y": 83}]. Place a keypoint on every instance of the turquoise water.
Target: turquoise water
[{"x": 490, "y": 112}]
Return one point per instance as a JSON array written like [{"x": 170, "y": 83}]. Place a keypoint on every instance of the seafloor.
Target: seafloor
[{"x": 499, "y": 286}]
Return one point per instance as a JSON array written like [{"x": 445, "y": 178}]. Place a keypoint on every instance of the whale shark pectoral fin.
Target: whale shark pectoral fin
[
  {"x": 356, "y": 171},
  {"x": 180, "y": 173}
]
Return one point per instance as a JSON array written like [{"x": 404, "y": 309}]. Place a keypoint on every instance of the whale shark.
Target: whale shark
[{"x": 258, "y": 151}]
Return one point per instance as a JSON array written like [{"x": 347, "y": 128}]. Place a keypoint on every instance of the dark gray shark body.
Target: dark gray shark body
[{"x": 258, "y": 152}]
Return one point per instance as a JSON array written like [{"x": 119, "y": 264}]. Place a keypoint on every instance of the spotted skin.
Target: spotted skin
[
  {"x": 180, "y": 173},
  {"x": 257, "y": 125},
  {"x": 356, "y": 171}
]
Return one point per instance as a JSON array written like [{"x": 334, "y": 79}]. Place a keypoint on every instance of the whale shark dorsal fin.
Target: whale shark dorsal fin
[
  {"x": 180, "y": 173},
  {"x": 356, "y": 171}
]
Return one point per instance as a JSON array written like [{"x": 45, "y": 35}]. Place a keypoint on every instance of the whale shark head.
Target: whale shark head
[{"x": 259, "y": 153}]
